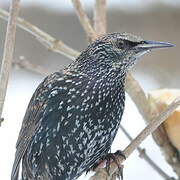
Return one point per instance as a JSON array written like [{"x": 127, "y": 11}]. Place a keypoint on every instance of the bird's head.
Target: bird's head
[
  {"x": 118, "y": 51},
  {"x": 121, "y": 50}
]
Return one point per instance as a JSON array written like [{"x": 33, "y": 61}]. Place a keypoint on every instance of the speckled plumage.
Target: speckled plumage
[{"x": 74, "y": 115}]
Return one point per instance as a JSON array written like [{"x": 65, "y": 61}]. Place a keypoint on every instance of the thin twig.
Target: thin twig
[
  {"x": 100, "y": 17},
  {"x": 83, "y": 18},
  {"x": 143, "y": 154},
  {"x": 25, "y": 64},
  {"x": 47, "y": 40},
  {"x": 101, "y": 173},
  {"x": 8, "y": 51}
]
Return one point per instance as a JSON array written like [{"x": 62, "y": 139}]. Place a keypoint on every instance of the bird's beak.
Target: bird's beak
[{"x": 147, "y": 45}]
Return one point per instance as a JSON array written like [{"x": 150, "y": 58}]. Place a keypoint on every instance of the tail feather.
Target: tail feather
[{"x": 15, "y": 172}]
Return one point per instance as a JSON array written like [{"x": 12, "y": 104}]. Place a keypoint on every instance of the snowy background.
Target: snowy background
[{"x": 152, "y": 19}]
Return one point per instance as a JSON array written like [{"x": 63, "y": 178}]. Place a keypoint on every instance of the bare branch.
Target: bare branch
[
  {"x": 8, "y": 51},
  {"x": 25, "y": 64},
  {"x": 143, "y": 154},
  {"x": 138, "y": 96},
  {"x": 100, "y": 17},
  {"x": 101, "y": 173},
  {"x": 83, "y": 18},
  {"x": 50, "y": 42}
]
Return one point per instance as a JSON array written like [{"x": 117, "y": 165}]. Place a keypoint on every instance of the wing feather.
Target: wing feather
[{"x": 31, "y": 119}]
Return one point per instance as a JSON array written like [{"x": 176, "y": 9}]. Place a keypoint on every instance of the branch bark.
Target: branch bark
[
  {"x": 83, "y": 18},
  {"x": 143, "y": 155},
  {"x": 8, "y": 51},
  {"x": 100, "y": 17},
  {"x": 47, "y": 40},
  {"x": 101, "y": 174}
]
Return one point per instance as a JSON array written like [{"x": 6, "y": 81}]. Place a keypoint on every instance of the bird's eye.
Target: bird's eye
[
  {"x": 125, "y": 44},
  {"x": 120, "y": 45}
]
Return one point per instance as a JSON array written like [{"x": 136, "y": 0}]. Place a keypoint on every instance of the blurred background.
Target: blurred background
[{"x": 152, "y": 19}]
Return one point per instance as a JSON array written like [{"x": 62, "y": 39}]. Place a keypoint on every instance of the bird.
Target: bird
[{"x": 74, "y": 114}]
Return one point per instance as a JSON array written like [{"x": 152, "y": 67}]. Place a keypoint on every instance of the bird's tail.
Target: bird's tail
[{"x": 15, "y": 172}]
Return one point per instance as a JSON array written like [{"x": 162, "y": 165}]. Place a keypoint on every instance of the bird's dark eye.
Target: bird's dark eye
[
  {"x": 125, "y": 44},
  {"x": 120, "y": 45}
]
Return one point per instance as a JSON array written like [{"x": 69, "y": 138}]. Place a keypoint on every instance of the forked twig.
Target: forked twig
[{"x": 47, "y": 40}]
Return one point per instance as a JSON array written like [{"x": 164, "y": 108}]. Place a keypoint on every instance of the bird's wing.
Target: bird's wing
[
  {"x": 33, "y": 118},
  {"x": 44, "y": 105}
]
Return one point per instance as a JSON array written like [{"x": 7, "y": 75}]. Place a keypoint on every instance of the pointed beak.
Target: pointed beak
[{"x": 154, "y": 44}]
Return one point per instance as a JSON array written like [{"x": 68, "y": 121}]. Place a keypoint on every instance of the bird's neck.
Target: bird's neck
[{"x": 104, "y": 73}]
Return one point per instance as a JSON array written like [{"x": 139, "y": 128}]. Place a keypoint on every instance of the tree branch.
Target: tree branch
[
  {"x": 25, "y": 64},
  {"x": 101, "y": 174},
  {"x": 143, "y": 154},
  {"x": 139, "y": 98},
  {"x": 83, "y": 18},
  {"x": 100, "y": 17},
  {"x": 50, "y": 42},
  {"x": 8, "y": 51}
]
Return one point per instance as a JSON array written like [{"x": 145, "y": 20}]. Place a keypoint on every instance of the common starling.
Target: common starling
[{"x": 74, "y": 115}]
